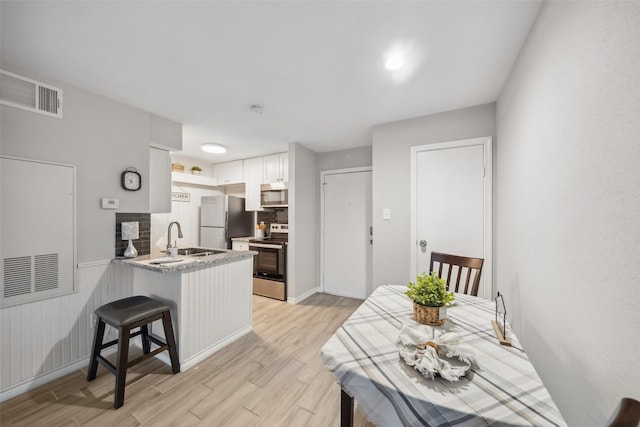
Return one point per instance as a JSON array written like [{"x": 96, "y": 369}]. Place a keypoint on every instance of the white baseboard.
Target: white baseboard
[
  {"x": 199, "y": 357},
  {"x": 41, "y": 379},
  {"x": 304, "y": 296}
]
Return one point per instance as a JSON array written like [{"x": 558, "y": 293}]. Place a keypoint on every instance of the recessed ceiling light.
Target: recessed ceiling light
[
  {"x": 210, "y": 147},
  {"x": 394, "y": 62}
]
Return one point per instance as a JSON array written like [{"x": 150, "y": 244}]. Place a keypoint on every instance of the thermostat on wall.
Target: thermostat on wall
[{"x": 110, "y": 203}]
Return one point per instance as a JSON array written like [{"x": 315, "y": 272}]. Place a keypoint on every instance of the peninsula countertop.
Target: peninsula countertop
[{"x": 161, "y": 263}]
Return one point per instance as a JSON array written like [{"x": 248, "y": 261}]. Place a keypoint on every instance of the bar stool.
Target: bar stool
[{"x": 127, "y": 314}]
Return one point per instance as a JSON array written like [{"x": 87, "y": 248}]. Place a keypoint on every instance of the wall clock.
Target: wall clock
[{"x": 131, "y": 179}]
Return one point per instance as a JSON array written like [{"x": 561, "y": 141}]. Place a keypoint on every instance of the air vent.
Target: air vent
[
  {"x": 46, "y": 272},
  {"x": 17, "y": 276},
  {"x": 21, "y": 92}
]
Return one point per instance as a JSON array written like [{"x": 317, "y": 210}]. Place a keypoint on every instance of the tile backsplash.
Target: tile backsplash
[
  {"x": 143, "y": 244},
  {"x": 275, "y": 215}
]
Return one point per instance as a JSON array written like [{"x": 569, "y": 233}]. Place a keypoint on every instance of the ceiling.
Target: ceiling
[{"x": 315, "y": 67}]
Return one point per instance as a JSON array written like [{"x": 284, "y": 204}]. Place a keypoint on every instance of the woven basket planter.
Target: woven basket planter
[{"x": 429, "y": 315}]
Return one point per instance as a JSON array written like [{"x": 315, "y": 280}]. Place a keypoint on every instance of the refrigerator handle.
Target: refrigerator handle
[{"x": 226, "y": 228}]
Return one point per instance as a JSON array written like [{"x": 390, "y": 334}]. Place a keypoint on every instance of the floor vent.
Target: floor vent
[{"x": 21, "y": 92}]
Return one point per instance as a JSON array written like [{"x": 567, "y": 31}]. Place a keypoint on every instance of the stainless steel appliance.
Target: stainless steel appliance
[
  {"x": 223, "y": 218},
  {"x": 274, "y": 195},
  {"x": 270, "y": 265}
]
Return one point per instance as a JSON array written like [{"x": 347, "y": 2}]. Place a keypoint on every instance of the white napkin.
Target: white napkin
[{"x": 446, "y": 354}]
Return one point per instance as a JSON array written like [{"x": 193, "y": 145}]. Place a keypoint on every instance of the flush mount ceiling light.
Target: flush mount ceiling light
[
  {"x": 210, "y": 147},
  {"x": 394, "y": 62}
]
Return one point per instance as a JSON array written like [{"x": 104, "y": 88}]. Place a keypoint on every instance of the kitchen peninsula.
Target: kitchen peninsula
[{"x": 210, "y": 296}]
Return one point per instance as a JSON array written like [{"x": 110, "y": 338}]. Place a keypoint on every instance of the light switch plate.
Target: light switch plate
[
  {"x": 386, "y": 213},
  {"x": 110, "y": 203}
]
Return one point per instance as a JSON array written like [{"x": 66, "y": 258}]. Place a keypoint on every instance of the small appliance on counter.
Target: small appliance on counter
[
  {"x": 270, "y": 265},
  {"x": 223, "y": 218}
]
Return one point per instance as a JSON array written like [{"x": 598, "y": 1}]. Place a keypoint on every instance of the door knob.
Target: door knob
[{"x": 423, "y": 243}]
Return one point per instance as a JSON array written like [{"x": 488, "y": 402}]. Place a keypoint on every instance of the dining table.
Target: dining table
[{"x": 502, "y": 387}]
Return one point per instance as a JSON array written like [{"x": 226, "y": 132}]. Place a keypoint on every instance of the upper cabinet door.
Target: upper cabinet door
[
  {"x": 229, "y": 173},
  {"x": 236, "y": 172},
  {"x": 284, "y": 166},
  {"x": 276, "y": 168},
  {"x": 252, "y": 181}
]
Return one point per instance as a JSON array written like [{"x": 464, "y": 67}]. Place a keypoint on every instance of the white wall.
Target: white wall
[
  {"x": 568, "y": 204},
  {"x": 342, "y": 159},
  {"x": 304, "y": 207},
  {"x": 101, "y": 137},
  {"x": 391, "y": 180}
]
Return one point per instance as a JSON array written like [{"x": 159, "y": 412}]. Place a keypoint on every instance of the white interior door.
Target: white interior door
[
  {"x": 452, "y": 201},
  {"x": 346, "y": 238}
]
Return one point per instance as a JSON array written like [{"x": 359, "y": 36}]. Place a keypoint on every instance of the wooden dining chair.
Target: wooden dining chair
[
  {"x": 627, "y": 414},
  {"x": 470, "y": 265}
]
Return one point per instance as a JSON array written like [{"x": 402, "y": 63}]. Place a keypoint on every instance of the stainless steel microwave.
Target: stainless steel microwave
[{"x": 274, "y": 195}]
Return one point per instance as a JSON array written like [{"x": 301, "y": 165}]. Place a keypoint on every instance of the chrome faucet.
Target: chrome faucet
[{"x": 169, "y": 233}]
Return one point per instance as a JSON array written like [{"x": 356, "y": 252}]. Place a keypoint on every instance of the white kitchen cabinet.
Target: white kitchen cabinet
[
  {"x": 159, "y": 181},
  {"x": 229, "y": 172},
  {"x": 239, "y": 245},
  {"x": 252, "y": 181},
  {"x": 275, "y": 168}
]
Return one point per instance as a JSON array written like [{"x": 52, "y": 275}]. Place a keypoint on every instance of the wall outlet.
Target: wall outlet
[{"x": 93, "y": 320}]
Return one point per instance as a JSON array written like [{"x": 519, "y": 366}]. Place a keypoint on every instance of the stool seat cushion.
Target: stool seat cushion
[{"x": 130, "y": 310}]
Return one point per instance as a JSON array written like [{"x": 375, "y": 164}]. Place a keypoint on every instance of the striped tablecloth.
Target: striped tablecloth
[{"x": 503, "y": 389}]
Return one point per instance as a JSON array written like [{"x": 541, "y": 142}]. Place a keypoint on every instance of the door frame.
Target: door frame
[
  {"x": 486, "y": 142},
  {"x": 322, "y": 202}
]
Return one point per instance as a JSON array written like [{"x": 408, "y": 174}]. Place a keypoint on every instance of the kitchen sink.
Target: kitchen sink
[
  {"x": 197, "y": 252},
  {"x": 207, "y": 253}
]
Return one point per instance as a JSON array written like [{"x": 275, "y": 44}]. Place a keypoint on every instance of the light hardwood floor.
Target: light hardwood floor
[{"x": 273, "y": 376}]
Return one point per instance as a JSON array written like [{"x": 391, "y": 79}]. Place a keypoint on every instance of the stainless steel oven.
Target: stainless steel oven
[{"x": 270, "y": 265}]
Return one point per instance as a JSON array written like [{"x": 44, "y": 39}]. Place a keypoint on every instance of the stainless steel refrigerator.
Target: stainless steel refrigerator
[{"x": 221, "y": 219}]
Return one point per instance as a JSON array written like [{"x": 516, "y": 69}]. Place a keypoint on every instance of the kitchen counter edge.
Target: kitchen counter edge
[{"x": 202, "y": 262}]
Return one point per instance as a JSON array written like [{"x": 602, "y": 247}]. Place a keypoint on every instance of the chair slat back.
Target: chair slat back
[
  {"x": 469, "y": 287},
  {"x": 627, "y": 414}
]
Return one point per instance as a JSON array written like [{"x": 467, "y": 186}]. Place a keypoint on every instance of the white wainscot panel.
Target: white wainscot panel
[
  {"x": 44, "y": 340},
  {"x": 211, "y": 307}
]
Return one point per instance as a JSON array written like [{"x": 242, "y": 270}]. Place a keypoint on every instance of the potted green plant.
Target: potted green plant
[
  {"x": 196, "y": 170},
  {"x": 430, "y": 298}
]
